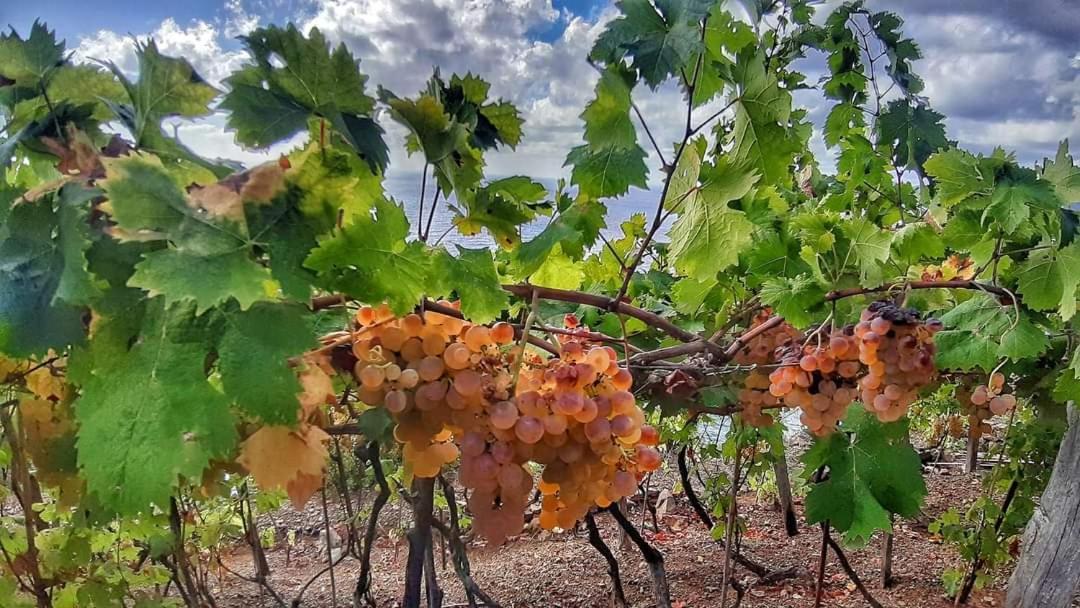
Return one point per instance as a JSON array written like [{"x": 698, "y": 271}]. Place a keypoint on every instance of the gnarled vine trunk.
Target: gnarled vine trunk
[{"x": 1047, "y": 574}]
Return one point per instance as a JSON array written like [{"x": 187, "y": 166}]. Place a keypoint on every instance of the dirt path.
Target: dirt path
[{"x": 542, "y": 570}]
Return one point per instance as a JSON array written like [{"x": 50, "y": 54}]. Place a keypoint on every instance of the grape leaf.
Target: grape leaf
[
  {"x": 662, "y": 40},
  {"x": 708, "y": 236},
  {"x": 370, "y": 260},
  {"x": 210, "y": 257},
  {"x": 254, "y": 357},
  {"x": 149, "y": 416},
  {"x": 607, "y": 172},
  {"x": 914, "y": 132},
  {"x": 607, "y": 116},
  {"x": 870, "y": 247},
  {"x": 688, "y": 295},
  {"x": 916, "y": 242},
  {"x": 873, "y": 471},
  {"x": 285, "y": 458},
  {"x": 1049, "y": 278},
  {"x": 332, "y": 182},
  {"x": 574, "y": 230},
  {"x": 559, "y": 271},
  {"x": 760, "y": 139},
  {"x": 295, "y": 77},
  {"x": 501, "y": 207},
  {"x": 43, "y": 272},
  {"x": 797, "y": 299},
  {"x": 1063, "y": 173},
  {"x": 980, "y": 331},
  {"x": 27, "y": 62},
  {"x": 684, "y": 178},
  {"x": 957, "y": 176},
  {"x": 472, "y": 275}
]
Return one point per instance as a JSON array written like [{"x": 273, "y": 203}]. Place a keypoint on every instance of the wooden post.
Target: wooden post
[
  {"x": 972, "y": 462},
  {"x": 783, "y": 490},
  {"x": 1045, "y": 575}
]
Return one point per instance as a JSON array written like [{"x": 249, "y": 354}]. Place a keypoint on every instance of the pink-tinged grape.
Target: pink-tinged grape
[
  {"x": 409, "y": 378},
  {"x": 587, "y": 413},
  {"x": 477, "y": 338},
  {"x": 599, "y": 429},
  {"x": 569, "y": 403},
  {"x": 431, "y": 368},
  {"x": 529, "y": 429},
  {"x": 456, "y": 356},
  {"x": 622, "y": 380},
  {"x": 808, "y": 363},
  {"x": 503, "y": 415},
  {"x": 571, "y": 452},
  {"x": 624, "y": 483},
  {"x": 502, "y": 452},
  {"x": 502, "y": 333},
  {"x": 468, "y": 383},
  {"x": 555, "y": 424},
  {"x": 392, "y": 372},
  {"x": 648, "y": 459},
  {"x": 473, "y": 444},
  {"x": 880, "y": 326},
  {"x": 598, "y": 358},
  {"x": 649, "y": 435},
  {"x": 396, "y": 401},
  {"x": 622, "y": 425},
  {"x": 372, "y": 376}
]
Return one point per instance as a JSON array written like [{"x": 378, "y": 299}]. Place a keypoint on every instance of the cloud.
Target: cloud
[{"x": 199, "y": 43}]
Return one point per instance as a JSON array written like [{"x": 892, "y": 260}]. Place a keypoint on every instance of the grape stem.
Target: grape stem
[{"x": 362, "y": 594}]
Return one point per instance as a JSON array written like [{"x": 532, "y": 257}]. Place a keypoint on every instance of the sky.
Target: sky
[{"x": 1004, "y": 72}]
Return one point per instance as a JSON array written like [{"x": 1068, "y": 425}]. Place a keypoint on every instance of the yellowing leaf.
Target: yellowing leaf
[
  {"x": 317, "y": 390},
  {"x": 291, "y": 459}
]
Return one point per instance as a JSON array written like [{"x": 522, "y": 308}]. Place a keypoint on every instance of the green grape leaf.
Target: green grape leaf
[
  {"x": 684, "y": 178},
  {"x": 913, "y": 131},
  {"x": 77, "y": 285},
  {"x": 661, "y": 39},
  {"x": 708, "y": 236},
  {"x": 370, "y": 260},
  {"x": 209, "y": 257},
  {"x": 295, "y": 77},
  {"x": 607, "y": 116},
  {"x": 505, "y": 120},
  {"x": 607, "y": 172},
  {"x": 37, "y": 266},
  {"x": 559, "y": 271},
  {"x": 431, "y": 126},
  {"x": 759, "y": 139},
  {"x": 873, "y": 471},
  {"x": 688, "y": 295},
  {"x": 917, "y": 241},
  {"x": 472, "y": 276},
  {"x": 27, "y": 62},
  {"x": 1049, "y": 278},
  {"x": 957, "y": 176},
  {"x": 501, "y": 207},
  {"x": 797, "y": 299},
  {"x": 870, "y": 247},
  {"x": 82, "y": 86},
  {"x": 332, "y": 182},
  {"x": 148, "y": 417},
  {"x": 167, "y": 86},
  {"x": 207, "y": 280},
  {"x": 574, "y": 230},
  {"x": 980, "y": 331},
  {"x": 254, "y": 357},
  {"x": 1063, "y": 173}
]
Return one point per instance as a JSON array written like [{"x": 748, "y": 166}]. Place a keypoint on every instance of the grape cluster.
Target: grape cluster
[
  {"x": 897, "y": 348},
  {"x": 818, "y": 378},
  {"x": 760, "y": 350},
  {"x": 459, "y": 389},
  {"x": 986, "y": 401}
]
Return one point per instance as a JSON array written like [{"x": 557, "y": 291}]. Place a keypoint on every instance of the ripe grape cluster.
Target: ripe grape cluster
[
  {"x": 759, "y": 350},
  {"x": 897, "y": 347},
  {"x": 461, "y": 389},
  {"x": 818, "y": 377},
  {"x": 986, "y": 401},
  {"x": 883, "y": 361}
]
